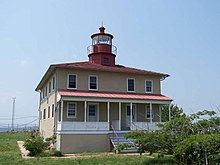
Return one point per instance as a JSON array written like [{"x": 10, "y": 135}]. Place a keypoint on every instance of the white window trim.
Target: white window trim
[
  {"x": 151, "y": 86},
  {"x": 44, "y": 114},
  {"x": 134, "y": 85},
  {"x": 53, "y": 110},
  {"x": 53, "y": 83},
  {"x": 68, "y": 81},
  {"x": 48, "y": 112},
  {"x": 71, "y": 117},
  {"x": 96, "y": 82},
  {"x": 49, "y": 87},
  {"x": 87, "y": 116}
]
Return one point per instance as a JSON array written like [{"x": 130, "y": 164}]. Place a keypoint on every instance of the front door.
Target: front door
[
  {"x": 128, "y": 115},
  {"x": 92, "y": 113}
]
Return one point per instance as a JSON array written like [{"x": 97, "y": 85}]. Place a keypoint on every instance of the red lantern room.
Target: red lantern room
[{"x": 102, "y": 51}]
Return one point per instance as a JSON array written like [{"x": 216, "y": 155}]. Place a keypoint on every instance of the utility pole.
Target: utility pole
[{"x": 13, "y": 114}]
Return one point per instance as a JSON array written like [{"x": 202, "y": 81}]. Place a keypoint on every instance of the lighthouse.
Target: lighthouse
[{"x": 102, "y": 51}]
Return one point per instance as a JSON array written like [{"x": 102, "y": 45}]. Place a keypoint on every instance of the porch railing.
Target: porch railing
[
  {"x": 115, "y": 135},
  {"x": 144, "y": 126},
  {"x": 82, "y": 126}
]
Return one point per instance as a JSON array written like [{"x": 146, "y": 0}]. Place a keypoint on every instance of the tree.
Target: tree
[
  {"x": 179, "y": 130},
  {"x": 175, "y": 112},
  {"x": 198, "y": 149}
]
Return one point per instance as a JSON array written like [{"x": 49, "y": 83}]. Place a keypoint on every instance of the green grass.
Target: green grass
[
  {"x": 10, "y": 155},
  {"x": 9, "y": 151}
]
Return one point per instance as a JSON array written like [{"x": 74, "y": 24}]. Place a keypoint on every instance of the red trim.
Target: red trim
[{"x": 72, "y": 93}]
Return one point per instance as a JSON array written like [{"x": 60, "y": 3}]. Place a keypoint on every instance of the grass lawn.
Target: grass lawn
[{"x": 10, "y": 155}]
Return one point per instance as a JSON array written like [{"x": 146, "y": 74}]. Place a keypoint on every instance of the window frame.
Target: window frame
[
  {"x": 89, "y": 82},
  {"x": 151, "y": 86},
  {"x": 48, "y": 112},
  {"x": 68, "y": 78},
  {"x": 128, "y": 84},
  {"x": 44, "y": 114},
  {"x": 53, "y": 83},
  {"x": 49, "y": 87},
  {"x": 67, "y": 114},
  {"x": 53, "y": 109}
]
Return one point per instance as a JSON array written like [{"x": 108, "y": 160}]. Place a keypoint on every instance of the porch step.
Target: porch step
[{"x": 119, "y": 138}]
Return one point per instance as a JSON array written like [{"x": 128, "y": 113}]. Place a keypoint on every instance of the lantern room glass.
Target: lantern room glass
[{"x": 102, "y": 39}]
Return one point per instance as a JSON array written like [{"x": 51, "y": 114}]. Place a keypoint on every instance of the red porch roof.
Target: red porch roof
[{"x": 114, "y": 95}]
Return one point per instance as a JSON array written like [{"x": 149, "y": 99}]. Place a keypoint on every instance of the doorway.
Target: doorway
[
  {"x": 128, "y": 114},
  {"x": 92, "y": 112}
]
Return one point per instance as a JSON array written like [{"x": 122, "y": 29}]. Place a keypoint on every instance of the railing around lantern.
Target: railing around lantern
[{"x": 90, "y": 49}]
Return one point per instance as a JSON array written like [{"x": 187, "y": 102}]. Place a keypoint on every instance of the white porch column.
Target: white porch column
[
  {"x": 108, "y": 108},
  {"x": 61, "y": 113},
  {"x": 119, "y": 116},
  {"x": 131, "y": 113},
  {"x": 151, "y": 120},
  {"x": 85, "y": 107}
]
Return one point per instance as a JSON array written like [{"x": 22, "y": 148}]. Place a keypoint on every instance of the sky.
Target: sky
[{"x": 177, "y": 37}]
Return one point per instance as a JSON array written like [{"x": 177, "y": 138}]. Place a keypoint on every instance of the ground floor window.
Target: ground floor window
[
  {"x": 148, "y": 111},
  {"x": 71, "y": 110}
]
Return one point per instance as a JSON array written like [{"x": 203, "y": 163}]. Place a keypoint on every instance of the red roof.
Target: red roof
[
  {"x": 116, "y": 68},
  {"x": 113, "y": 95}
]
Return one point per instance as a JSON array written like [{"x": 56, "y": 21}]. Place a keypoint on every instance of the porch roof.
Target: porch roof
[{"x": 113, "y": 95}]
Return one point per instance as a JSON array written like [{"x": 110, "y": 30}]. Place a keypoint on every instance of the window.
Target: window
[
  {"x": 49, "y": 86},
  {"x": 72, "y": 81},
  {"x": 148, "y": 111},
  {"x": 130, "y": 85},
  {"x": 48, "y": 112},
  {"x": 92, "y": 110},
  {"x": 53, "y": 83},
  {"x": 46, "y": 91},
  {"x": 52, "y": 110},
  {"x": 71, "y": 110},
  {"x": 41, "y": 95},
  {"x": 105, "y": 60},
  {"x": 149, "y": 86},
  {"x": 92, "y": 82},
  {"x": 44, "y": 114}
]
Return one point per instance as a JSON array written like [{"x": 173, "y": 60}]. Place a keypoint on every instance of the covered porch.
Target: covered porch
[{"x": 103, "y": 112}]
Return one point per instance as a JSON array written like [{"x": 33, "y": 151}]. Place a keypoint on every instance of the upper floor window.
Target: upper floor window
[
  {"x": 46, "y": 91},
  {"x": 71, "y": 110},
  {"x": 149, "y": 86},
  {"x": 49, "y": 87},
  {"x": 72, "y": 81},
  {"x": 93, "y": 82},
  {"x": 53, "y": 82},
  {"x": 130, "y": 84}
]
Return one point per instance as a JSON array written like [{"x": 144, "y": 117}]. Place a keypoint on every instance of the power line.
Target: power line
[{"x": 19, "y": 118}]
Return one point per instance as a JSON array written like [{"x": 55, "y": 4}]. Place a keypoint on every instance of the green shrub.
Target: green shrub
[
  {"x": 56, "y": 153},
  {"x": 36, "y": 146}
]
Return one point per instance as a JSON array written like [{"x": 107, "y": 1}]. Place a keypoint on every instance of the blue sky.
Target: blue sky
[{"x": 178, "y": 37}]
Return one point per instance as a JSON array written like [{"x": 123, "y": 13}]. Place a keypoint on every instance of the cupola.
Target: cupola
[{"x": 102, "y": 51}]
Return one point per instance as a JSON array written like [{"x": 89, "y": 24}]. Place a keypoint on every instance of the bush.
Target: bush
[
  {"x": 57, "y": 153},
  {"x": 36, "y": 145}
]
